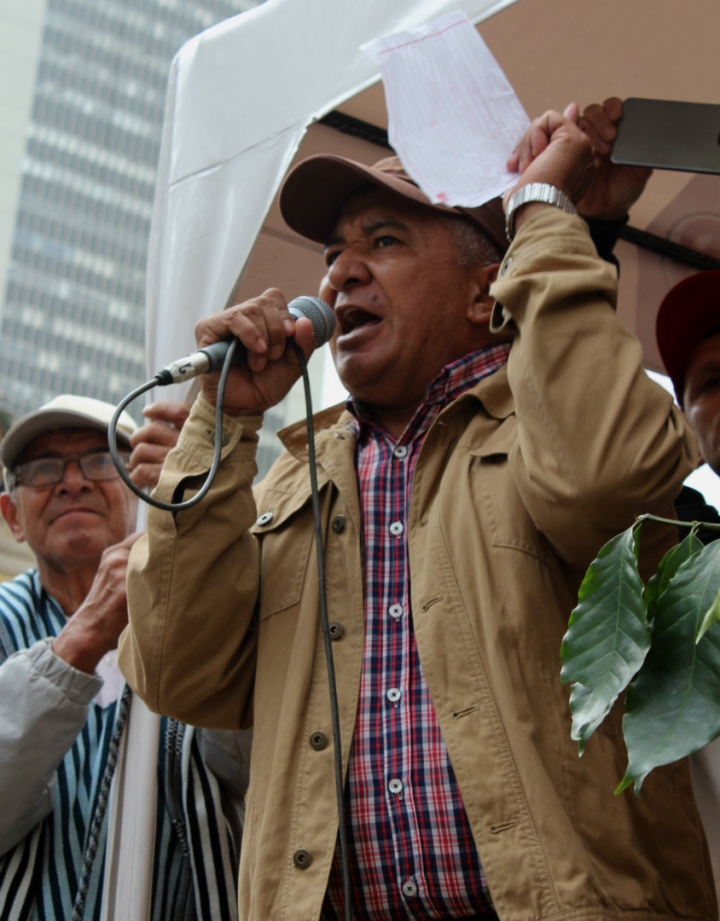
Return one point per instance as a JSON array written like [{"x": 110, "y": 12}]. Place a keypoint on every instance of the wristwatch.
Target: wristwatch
[{"x": 535, "y": 191}]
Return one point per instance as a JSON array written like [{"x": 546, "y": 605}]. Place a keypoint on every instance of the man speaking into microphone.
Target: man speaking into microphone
[{"x": 500, "y": 428}]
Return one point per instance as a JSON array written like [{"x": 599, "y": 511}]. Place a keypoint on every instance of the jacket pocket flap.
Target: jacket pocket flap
[
  {"x": 275, "y": 507},
  {"x": 499, "y": 443}
]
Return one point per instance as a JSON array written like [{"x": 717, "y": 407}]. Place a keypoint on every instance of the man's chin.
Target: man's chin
[
  {"x": 360, "y": 376},
  {"x": 81, "y": 542}
]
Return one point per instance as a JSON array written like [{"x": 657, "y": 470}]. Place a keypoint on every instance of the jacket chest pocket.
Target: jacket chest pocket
[
  {"x": 499, "y": 501},
  {"x": 285, "y": 533}
]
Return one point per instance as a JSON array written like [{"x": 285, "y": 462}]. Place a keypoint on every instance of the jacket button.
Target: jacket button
[
  {"x": 338, "y": 524},
  {"x": 302, "y": 859},
  {"x": 224, "y": 437},
  {"x": 318, "y": 741},
  {"x": 265, "y": 518},
  {"x": 336, "y": 630}
]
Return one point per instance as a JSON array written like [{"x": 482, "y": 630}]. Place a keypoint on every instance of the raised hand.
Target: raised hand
[
  {"x": 613, "y": 189},
  {"x": 95, "y": 627},
  {"x": 554, "y": 150}
]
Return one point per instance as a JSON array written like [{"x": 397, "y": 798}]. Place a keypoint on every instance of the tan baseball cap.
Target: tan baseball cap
[
  {"x": 315, "y": 191},
  {"x": 65, "y": 411}
]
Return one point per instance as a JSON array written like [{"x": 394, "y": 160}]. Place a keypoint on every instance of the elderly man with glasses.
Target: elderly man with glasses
[{"x": 63, "y": 702}]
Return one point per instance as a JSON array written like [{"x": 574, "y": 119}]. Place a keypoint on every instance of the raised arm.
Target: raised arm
[{"x": 599, "y": 442}]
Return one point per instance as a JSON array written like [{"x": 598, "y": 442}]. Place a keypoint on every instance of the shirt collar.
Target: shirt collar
[{"x": 453, "y": 380}]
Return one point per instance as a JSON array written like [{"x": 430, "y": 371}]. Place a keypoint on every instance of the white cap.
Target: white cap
[{"x": 65, "y": 411}]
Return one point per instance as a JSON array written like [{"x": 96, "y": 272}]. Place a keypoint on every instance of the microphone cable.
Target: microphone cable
[
  {"x": 315, "y": 497},
  {"x": 327, "y": 640},
  {"x": 212, "y": 472}
]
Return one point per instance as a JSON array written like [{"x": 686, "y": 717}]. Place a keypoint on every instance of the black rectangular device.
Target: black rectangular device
[{"x": 666, "y": 134}]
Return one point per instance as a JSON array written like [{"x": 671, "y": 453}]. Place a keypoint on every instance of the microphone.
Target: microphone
[{"x": 211, "y": 358}]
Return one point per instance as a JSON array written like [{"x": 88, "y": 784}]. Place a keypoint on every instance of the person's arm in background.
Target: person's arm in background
[
  {"x": 45, "y": 696},
  {"x": 152, "y": 442}
]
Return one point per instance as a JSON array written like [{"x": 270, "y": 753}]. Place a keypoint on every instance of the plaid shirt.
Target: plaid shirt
[{"x": 412, "y": 853}]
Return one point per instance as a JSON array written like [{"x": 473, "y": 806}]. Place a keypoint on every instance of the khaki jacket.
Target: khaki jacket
[{"x": 518, "y": 484}]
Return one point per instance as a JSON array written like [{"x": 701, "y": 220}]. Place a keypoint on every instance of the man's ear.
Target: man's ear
[
  {"x": 9, "y": 509},
  {"x": 480, "y": 308}
]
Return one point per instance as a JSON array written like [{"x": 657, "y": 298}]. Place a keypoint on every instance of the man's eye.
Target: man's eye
[
  {"x": 45, "y": 465},
  {"x": 99, "y": 462},
  {"x": 385, "y": 240},
  {"x": 331, "y": 256},
  {"x": 709, "y": 383}
]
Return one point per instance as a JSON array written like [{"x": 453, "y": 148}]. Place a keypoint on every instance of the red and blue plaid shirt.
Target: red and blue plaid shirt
[{"x": 412, "y": 853}]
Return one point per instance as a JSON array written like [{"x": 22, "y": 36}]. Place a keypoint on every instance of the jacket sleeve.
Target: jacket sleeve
[
  {"x": 188, "y": 650},
  {"x": 44, "y": 704},
  {"x": 599, "y": 442}
]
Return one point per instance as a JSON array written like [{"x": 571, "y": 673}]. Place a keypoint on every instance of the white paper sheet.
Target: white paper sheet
[{"x": 454, "y": 117}]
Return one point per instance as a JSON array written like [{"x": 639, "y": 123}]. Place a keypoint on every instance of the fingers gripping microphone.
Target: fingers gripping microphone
[{"x": 211, "y": 357}]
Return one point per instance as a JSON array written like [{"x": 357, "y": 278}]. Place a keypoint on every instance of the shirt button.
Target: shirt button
[
  {"x": 396, "y": 528},
  {"x": 400, "y": 451},
  {"x": 394, "y": 695},
  {"x": 395, "y": 785},
  {"x": 395, "y": 611},
  {"x": 409, "y": 888},
  {"x": 265, "y": 518}
]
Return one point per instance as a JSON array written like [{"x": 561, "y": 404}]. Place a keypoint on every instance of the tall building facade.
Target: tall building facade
[{"x": 73, "y": 310}]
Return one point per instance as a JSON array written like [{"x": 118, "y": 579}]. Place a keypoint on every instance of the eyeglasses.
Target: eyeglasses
[{"x": 49, "y": 471}]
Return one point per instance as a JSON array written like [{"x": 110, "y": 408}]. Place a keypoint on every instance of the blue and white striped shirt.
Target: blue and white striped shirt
[{"x": 194, "y": 867}]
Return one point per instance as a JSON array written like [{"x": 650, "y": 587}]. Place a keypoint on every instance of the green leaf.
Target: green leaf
[
  {"x": 607, "y": 637},
  {"x": 673, "y": 706},
  {"x": 667, "y": 568},
  {"x": 712, "y": 617}
]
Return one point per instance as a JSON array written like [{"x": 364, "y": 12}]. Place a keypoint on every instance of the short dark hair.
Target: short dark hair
[{"x": 471, "y": 246}]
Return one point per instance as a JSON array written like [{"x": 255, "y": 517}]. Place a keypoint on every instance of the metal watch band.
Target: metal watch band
[{"x": 535, "y": 191}]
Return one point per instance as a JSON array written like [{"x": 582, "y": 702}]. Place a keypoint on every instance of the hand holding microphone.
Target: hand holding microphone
[
  {"x": 266, "y": 366},
  {"x": 262, "y": 369}
]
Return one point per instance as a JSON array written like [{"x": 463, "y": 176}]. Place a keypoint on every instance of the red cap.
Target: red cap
[{"x": 687, "y": 314}]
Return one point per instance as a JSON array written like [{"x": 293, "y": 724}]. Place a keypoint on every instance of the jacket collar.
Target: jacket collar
[
  {"x": 332, "y": 421},
  {"x": 493, "y": 393}
]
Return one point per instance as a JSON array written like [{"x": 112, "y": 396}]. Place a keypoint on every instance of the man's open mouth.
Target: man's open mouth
[{"x": 355, "y": 317}]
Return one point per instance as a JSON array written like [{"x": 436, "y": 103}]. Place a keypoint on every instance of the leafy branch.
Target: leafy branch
[{"x": 659, "y": 643}]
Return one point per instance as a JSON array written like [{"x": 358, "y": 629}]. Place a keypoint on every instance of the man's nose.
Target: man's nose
[
  {"x": 349, "y": 268},
  {"x": 73, "y": 478}
]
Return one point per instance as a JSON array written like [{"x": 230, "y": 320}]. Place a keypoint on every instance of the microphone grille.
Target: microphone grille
[{"x": 320, "y": 314}]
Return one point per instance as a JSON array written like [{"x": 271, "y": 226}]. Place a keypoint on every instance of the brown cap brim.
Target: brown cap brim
[{"x": 315, "y": 191}]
